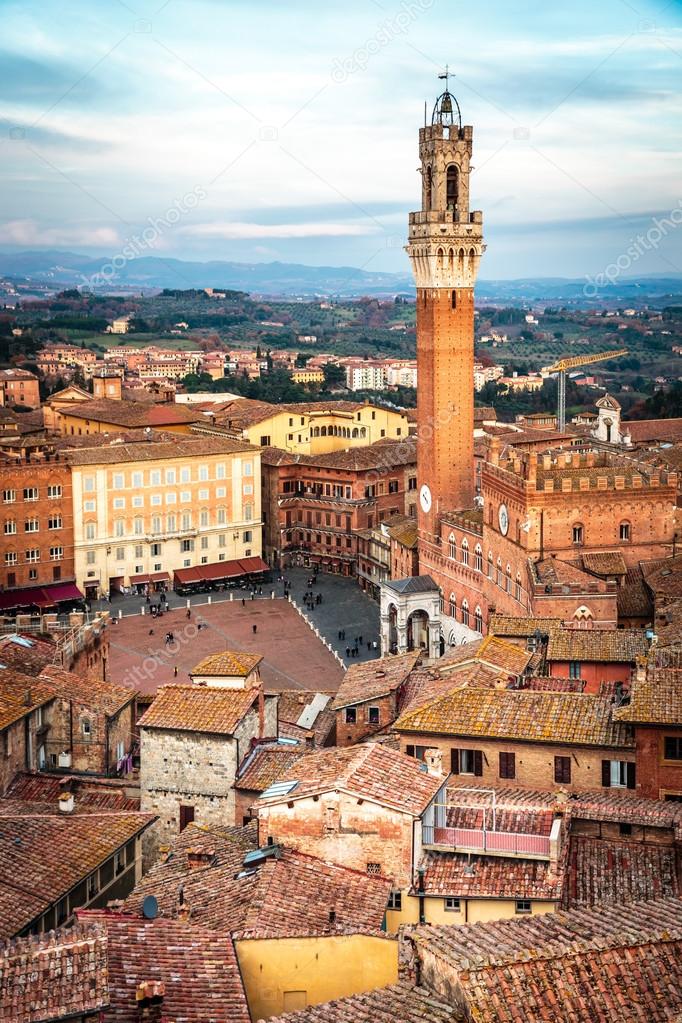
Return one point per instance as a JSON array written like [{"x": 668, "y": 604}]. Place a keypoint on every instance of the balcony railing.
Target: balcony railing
[{"x": 477, "y": 840}]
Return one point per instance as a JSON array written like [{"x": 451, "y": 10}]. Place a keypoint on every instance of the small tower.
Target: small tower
[
  {"x": 607, "y": 428},
  {"x": 445, "y": 247},
  {"x": 107, "y": 384}
]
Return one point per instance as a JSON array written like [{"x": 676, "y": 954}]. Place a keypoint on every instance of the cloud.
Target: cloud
[
  {"x": 233, "y": 230},
  {"x": 28, "y": 232}
]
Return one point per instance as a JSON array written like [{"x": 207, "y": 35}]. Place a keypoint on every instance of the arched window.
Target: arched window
[
  {"x": 500, "y": 573},
  {"x": 452, "y": 547},
  {"x": 452, "y": 186},
  {"x": 478, "y": 558},
  {"x": 355, "y": 431},
  {"x": 509, "y": 579},
  {"x": 465, "y": 612},
  {"x": 518, "y": 586},
  {"x": 440, "y": 254},
  {"x": 465, "y": 551},
  {"x": 625, "y": 532},
  {"x": 324, "y": 431},
  {"x": 453, "y": 606},
  {"x": 478, "y": 619},
  {"x": 428, "y": 188},
  {"x": 578, "y": 533},
  {"x": 491, "y": 567},
  {"x": 363, "y": 431}
]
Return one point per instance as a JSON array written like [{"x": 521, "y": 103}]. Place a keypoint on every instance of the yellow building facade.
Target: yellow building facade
[
  {"x": 160, "y": 504},
  {"x": 477, "y": 909},
  {"x": 285, "y": 974}
]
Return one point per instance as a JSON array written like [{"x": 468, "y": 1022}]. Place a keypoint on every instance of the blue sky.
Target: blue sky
[{"x": 293, "y": 127}]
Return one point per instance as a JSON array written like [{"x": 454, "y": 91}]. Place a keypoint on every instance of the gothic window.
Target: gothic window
[
  {"x": 429, "y": 188},
  {"x": 491, "y": 569},
  {"x": 518, "y": 586},
  {"x": 465, "y": 552},
  {"x": 452, "y": 186},
  {"x": 478, "y": 619},
  {"x": 578, "y": 533},
  {"x": 509, "y": 579},
  {"x": 478, "y": 558},
  {"x": 465, "y": 612},
  {"x": 625, "y": 532},
  {"x": 453, "y": 606},
  {"x": 500, "y": 573},
  {"x": 452, "y": 547}
]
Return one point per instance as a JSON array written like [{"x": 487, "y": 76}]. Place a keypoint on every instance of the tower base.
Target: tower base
[{"x": 411, "y": 617}]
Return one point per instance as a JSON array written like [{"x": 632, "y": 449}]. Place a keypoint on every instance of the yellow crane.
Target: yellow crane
[{"x": 563, "y": 365}]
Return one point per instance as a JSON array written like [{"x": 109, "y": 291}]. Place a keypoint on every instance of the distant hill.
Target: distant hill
[{"x": 58, "y": 269}]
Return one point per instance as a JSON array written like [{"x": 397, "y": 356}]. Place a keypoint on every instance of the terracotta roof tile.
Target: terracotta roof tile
[
  {"x": 549, "y": 717},
  {"x": 265, "y": 764},
  {"x": 190, "y": 708},
  {"x": 604, "y": 563},
  {"x": 105, "y": 697},
  {"x": 293, "y": 703},
  {"x": 228, "y": 662},
  {"x": 132, "y": 413},
  {"x": 500, "y": 653},
  {"x": 286, "y": 893},
  {"x": 600, "y": 645},
  {"x": 601, "y": 871},
  {"x": 634, "y": 597},
  {"x": 656, "y": 699},
  {"x": 489, "y": 877},
  {"x": 20, "y": 695},
  {"x": 54, "y": 976},
  {"x": 160, "y": 447},
  {"x": 28, "y": 660},
  {"x": 383, "y": 1005},
  {"x": 371, "y": 770},
  {"x": 522, "y": 627},
  {"x": 372, "y": 679},
  {"x": 42, "y": 791},
  {"x": 43, "y": 856}
]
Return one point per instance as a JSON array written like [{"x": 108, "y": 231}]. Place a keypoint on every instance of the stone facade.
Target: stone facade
[
  {"x": 344, "y": 829},
  {"x": 197, "y": 770},
  {"x": 95, "y": 740}
]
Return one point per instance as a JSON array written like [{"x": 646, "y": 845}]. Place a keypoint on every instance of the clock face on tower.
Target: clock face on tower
[
  {"x": 503, "y": 518},
  {"x": 425, "y": 498}
]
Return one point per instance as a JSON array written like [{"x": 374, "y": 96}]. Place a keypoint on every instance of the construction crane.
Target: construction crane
[{"x": 563, "y": 365}]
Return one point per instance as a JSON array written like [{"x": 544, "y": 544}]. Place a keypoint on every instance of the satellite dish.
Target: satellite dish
[{"x": 150, "y": 907}]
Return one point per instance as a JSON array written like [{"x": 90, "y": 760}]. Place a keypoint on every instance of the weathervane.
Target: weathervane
[{"x": 447, "y": 76}]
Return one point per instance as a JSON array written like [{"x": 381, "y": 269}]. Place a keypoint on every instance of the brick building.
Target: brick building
[
  {"x": 492, "y": 542},
  {"x": 36, "y": 541},
  {"x": 19, "y": 387},
  {"x": 24, "y": 706},
  {"x": 316, "y": 505},
  {"x": 368, "y": 699},
  {"x": 654, "y": 712},
  {"x": 355, "y": 806}
]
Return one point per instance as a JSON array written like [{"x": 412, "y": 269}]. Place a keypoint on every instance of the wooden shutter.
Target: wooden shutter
[
  {"x": 606, "y": 774},
  {"x": 186, "y": 816},
  {"x": 507, "y": 765},
  {"x": 454, "y": 761},
  {"x": 478, "y": 763},
  {"x": 409, "y": 750},
  {"x": 631, "y": 775}
]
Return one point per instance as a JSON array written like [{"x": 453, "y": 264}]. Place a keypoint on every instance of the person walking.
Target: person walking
[
  {"x": 189, "y": 613},
  {"x": 255, "y": 628},
  {"x": 175, "y": 671},
  {"x": 347, "y": 653}
]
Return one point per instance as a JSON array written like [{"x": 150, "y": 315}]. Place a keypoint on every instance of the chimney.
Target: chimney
[
  {"x": 184, "y": 908},
  {"x": 66, "y": 802},
  {"x": 149, "y": 998},
  {"x": 555, "y": 842},
  {"x": 433, "y": 758},
  {"x": 197, "y": 857},
  {"x": 310, "y": 740}
]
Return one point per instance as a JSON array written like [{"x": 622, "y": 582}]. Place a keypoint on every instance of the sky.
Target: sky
[{"x": 259, "y": 130}]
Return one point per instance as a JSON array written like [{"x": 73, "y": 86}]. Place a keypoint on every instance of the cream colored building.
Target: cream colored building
[
  {"x": 308, "y": 428},
  {"x": 150, "y": 506}
]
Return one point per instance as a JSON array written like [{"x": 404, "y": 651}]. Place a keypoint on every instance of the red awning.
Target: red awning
[
  {"x": 63, "y": 591},
  {"x": 33, "y": 596},
  {"x": 159, "y": 577},
  {"x": 138, "y": 580},
  {"x": 253, "y": 565},
  {"x": 187, "y": 575}
]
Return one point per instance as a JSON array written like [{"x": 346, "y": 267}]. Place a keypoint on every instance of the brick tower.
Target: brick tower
[{"x": 445, "y": 247}]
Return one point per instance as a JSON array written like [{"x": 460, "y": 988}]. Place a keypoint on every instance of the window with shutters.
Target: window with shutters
[
  {"x": 507, "y": 765},
  {"x": 350, "y": 715},
  {"x": 562, "y": 770},
  {"x": 617, "y": 774},
  {"x": 186, "y": 816},
  {"x": 466, "y": 761}
]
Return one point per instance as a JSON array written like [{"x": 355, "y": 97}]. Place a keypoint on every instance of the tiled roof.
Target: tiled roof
[
  {"x": 601, "y": 645},
  {"x": 645, "y": 430},
  {"x": 522, "y": 627},
  {"x": 190, "y": 708},
  {"x": 615, "y": 963},
  {"x": 554, "y": 684},
  {"x": 502, "y": 654},
  {"x": 383, "y": 1005},
  {"x": 292, "y": 703},
  {"x": 551, "y": 570},
  {"x": 43, "y": 856},
  {"x": 101, "y": 696},
  {"x": 664, "y": 577},
  {"x": 604, "y": 563},
  {"x": 413, "y": 584},
  {"x": 526, "y": 716},
  {"x": 489, "y": 877},
  {"x": 42, "y": 791},
  {"x": 228, "y": 662},
  {"x": 289, "y": 893},
  {"x": 404, "y": 533},
  {"x": 161, "y": 447},
  {"x": 132, "y": 413},
  {"x": 20, "y": 695},
  {"x": 634, "y": 597},
  {"x": 657, "y": 699},
  {"x": 383, "y": 454},
  {"x": 29, "y": 660},
  {"x": 265, "y": 764},
  {"x": 601, "y": 871},
  {"x": 55, "y": 976},
  {"x": 197, "y": 967},
  {"x": 372, "y": 771},
  {"x": 369, "y": 680}
]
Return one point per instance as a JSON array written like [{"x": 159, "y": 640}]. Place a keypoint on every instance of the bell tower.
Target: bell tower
[{"x": 445, "y": 247}]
